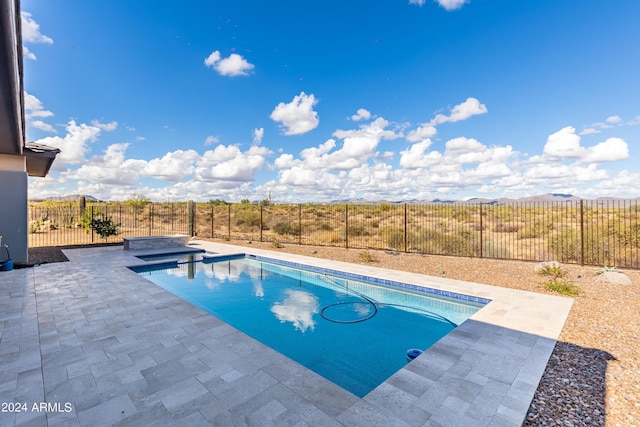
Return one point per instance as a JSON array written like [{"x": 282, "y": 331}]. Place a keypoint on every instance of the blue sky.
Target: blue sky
[{"x": 318, "y": 101}]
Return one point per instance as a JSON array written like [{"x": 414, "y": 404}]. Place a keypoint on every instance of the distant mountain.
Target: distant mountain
[{"x": 68, "y": 198}]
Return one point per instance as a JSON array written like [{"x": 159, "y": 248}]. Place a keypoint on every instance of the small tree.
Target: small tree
[
  {"x": 104, "y": 226},
  {"x": 138, "y": 202}
]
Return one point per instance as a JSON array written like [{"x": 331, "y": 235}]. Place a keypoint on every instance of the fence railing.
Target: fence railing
[{"x": 583, "y": 232}]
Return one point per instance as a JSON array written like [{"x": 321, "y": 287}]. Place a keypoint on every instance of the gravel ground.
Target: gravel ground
[{"x": 593, "y": 376}]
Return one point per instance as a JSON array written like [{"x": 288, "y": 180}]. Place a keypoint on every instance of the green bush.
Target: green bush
[
  {"x": 393, "y": 237},
  {"x": 492, "y": 250},
  {"x": 629, "y": 236},
  {"x": 563, "y": 287},
  {"x": 538, "y": 229},
  {"x": 104, "y": 226},
  {"x": 357, "y": 230},
  {"x": 286, "y": 228},
  {"x": 248, "y": 217},
  {"x": 459, "y": 244},
  {"x": 566, "y": 246}
]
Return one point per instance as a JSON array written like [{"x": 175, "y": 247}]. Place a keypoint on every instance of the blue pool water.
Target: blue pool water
[{"x": 353, "y": 333}]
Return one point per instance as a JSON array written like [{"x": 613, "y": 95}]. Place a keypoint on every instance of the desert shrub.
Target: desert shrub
[
  {"x": 325, "y": 227},
  {"x": 393, "y": 237},
  {"x": 375, "y": 224},
  {"x": 538, "y": 229},
  {"x": 384, "y": 206},
  {"x": 493, "y": 250},
  {"x": 426, "y": 240},
  {"x": 138, "y": 202},
  {"x": 462, "y": 216},
  {"x": 286, "y": 228},
  {"x": 502, "y": 227},
  {"x": 552, "y": 269},
  {"x": 248, "y": 217},
  {"x": 460, "y": 244},
  {"x": 563, "y": 287},
  {"x": 629, "y": 235},
  {"x": 34, "y": 226},
  {"x": 357, "y": 230},
  {"x": 565, "y": 245},
  {"x": 366, "y": 257},
  {"x": 556, "y": 274}
]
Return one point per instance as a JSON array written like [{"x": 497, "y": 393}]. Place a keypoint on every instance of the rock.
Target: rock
[{"x": 613, "y": 277}]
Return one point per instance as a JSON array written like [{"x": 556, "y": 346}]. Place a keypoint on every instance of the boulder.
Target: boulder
[{"x": 613, "y": 277}]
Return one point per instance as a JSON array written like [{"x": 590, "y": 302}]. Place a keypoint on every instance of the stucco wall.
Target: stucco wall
[{"x": 13, "y": 207}]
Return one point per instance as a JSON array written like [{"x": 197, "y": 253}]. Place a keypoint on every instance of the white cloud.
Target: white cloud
[
  {"x": 39, "y": 124},
  {"x": 451, "y": 4},
  {"x": 233, "y": 65},
  {"x": 28, "y": 54},
  {"x": 297, "y": 117},
  {"x": 565, "y": 144},
  {"x": 610, "y": 150},
  {"x": 613, "y": 119},
  {"x": 551, "y": 175},
  {"x": 31, "y": 34},
  {"x": 258, "y": 134},
  {"x": 590, "y": 131},
  {"x": 417, "y": 157},
  {"x": 33, "y": 107},
  {"x": 447, "y": 4},
  {"x": 111, "y": 168},
  {"x": 211, "y": 60},
  {"x": 470, "y": 107},
  {"x": 210, "y": 140},
  {"x": 228, "y": 163},
  {"x": 361, "y": 114},
  {"x": 421, "y": 133},
  {"x": 73, "y": 145},
  {"x": 31, "y": 30},
  {"x": 173, "y": 166},
  {"x": 108, "y": 127}
]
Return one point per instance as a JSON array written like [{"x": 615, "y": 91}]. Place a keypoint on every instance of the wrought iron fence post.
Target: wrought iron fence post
[
  {"x": 300, "y": 224},
  {"x": 346, "y": 225},
  {"x": 261, "y": 221},
  {"x": 91, "y": 224},
  {"x": 581, "y": 232},
  {"x": 405, "y": 227},
  {"x": 212, "y": 221},
  {"x": 191, "y": 214},
  {"x": 229, "y": 223},
  {"x": 481, "y": 243}
]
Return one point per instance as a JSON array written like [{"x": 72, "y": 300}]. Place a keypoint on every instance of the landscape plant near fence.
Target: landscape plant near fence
[{"x": 584, "y": 232}]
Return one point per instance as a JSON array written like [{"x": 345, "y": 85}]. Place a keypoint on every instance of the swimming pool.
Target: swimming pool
[{"x": 353, "y": 331}]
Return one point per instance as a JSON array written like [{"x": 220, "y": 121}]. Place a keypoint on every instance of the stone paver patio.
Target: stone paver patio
[{"x": 91, "y": 343}]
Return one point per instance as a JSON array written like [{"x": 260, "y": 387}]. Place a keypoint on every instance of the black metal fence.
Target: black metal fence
[{"x": 584, "y": 232}]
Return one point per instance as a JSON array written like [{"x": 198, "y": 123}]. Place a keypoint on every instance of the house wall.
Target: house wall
[{"x": 14, "y": 207}]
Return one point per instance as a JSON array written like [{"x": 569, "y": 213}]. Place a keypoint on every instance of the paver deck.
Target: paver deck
[{"x": 91, "y": 343}]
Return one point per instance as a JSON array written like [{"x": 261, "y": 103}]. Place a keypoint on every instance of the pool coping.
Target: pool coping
[{"x": 485, "y": 372}]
